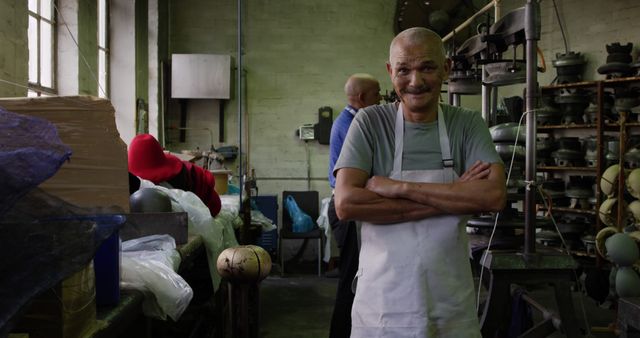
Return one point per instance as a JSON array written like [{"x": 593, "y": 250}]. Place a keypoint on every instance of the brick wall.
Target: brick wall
[
  {"x": 589, "y": 26},
  {"x": 297, "y": 56},
  {"x": 14, "y": 52}
]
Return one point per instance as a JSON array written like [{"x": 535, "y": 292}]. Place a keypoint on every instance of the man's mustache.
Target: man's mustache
[{"x": 416, "y": 90}]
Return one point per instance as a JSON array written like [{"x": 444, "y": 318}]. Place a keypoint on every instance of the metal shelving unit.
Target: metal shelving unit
[{"x": 601, "y": 126}]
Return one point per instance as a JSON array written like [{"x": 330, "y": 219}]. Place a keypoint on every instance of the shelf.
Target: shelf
[
  {"x": 608, "y": 126},
  {"x": 552, "y": 168},
  {"x": 600, "y": 128},
  {"x": 628, "y": 124},
  {"x": 567, "y": 126},
  {"x": 571, "y": 210},
  {"x": 624, "y": 80},
  {"x": 580, "y": 253},
  {"x": 571, "y": 85}
]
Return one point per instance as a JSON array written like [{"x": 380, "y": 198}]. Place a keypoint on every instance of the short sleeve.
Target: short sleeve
[
  {"x": 478, "y": 144},
  {"x": 357, "y": 150}
]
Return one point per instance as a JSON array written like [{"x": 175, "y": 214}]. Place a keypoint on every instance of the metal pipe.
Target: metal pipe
[
  {"x": 532, "y": 35},
  {"x": 493, "y": 112},
  {"x": 486, "y": 98},
  {"x": 161, "y": 130},
  {"x": 486, "y": 88},
  {"x": 306, "y": 147},
  {"x": 455, "y": 100},
  {"x": 194, "y": 128},
  {"x": 245, "y": 111},
  {"x": 546, "y": 314},
  {"x": 239, "y": 102},
  {"x": 464, "y": 25}
]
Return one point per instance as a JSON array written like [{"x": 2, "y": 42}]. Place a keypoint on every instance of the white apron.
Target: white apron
[{"x": 414, "y": 278}]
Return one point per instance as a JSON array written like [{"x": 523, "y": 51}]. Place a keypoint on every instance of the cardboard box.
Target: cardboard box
[
  {"x": 66, "y": 311},
  {"x": 97, "y": 173}
]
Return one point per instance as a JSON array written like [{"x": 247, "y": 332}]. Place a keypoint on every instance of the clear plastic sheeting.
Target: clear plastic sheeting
[
  {"x": 323, "y": 223},
  {"x": 260, "y": 219},
  {"x": 30, "y": 152},
  {"x": 230, "y": 203},
  {"x": 43, "y": 240},
  {"x": 149, "y": 264},
  {"x": 216, "y": 232}
]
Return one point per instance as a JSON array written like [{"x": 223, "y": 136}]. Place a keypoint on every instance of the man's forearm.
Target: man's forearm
[
  {"x": 457, "y": 197},
  {"x": 480, "y": 188},
  {"x": 364, "y": 205}
]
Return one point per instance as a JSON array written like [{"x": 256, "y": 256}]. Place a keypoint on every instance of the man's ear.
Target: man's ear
[
  {"x": 446, "y": 67},
  {"x": 389, "y": 70},
  {"x": 360, "y": 100}
]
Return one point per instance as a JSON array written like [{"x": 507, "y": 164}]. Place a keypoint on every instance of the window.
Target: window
[
  {"x": 103, "y": 48},
  {"x": 41, "y": 47}
]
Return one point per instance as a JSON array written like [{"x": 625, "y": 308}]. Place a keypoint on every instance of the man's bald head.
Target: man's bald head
[
  {"x": 357, "y": 82},
  {"x": 362, "y": 90},
  {"x": 417, "y": 36}
]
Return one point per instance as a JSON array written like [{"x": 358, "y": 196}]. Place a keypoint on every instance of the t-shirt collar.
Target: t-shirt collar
[{"x": 350, "y": 109}]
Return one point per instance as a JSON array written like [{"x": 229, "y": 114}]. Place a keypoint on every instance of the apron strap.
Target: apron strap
[
  {"x": 399, "y": 143},
  {"x": 445, "y": 148}
]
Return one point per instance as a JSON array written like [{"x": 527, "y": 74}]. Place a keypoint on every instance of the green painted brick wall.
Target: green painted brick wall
[
  {"x": 88, "y": 42},
  {"x": 142, "y": 51},
  {"x": 14, "y": 52},
  {"x": 297, "y": 56}
]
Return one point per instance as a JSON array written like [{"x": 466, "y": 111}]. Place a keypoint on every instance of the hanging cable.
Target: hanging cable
[
  {"x": 543, "y": 67},
  {"x": 564, "y": 38},
  {"x": 64, "y": 98},
  {"x": 567, "y": 251},
  {"x": 15, "y": 84},
  {"x": 495, "y": 224},
  {"x": 64, "y": 22}
]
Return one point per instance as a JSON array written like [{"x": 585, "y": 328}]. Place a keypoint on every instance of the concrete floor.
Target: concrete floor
[
  {"x": 597, "y": 320},
  {"x": 296, "y": 306},
  {"x": 300, "y": 305}
]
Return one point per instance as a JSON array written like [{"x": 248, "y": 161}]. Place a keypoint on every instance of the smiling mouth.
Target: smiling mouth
[
  {"x": 420, "y": 93},
  {"x": 417, "y": 91}
]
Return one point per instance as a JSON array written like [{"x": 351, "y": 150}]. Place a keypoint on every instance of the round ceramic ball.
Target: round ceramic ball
[
  {"x": 245, "y": 263},
  {"x": 627, "y": 282},
  {"x": 622, "y": 249},
  {"x": 149, "y": 200}
]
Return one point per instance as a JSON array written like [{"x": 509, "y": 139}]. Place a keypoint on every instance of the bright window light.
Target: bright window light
[{"x": 41, "y": 42}]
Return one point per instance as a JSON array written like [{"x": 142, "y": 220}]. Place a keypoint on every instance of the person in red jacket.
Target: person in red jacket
[{"x": 147, "y": 160}]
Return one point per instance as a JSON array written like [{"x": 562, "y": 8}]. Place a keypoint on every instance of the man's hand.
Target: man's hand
[
  {"x": 384, "y": 186},
  {"x": 479, "y": 170}
]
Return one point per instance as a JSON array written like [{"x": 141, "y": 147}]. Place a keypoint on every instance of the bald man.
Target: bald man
[
  {"x": 410, "y": 171},
  {"x": 362, "y": 90}
]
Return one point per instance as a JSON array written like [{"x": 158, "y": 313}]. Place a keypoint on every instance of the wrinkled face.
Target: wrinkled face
[
  {"x": 371, "y": 95},
  {"x": 417, "y": 72}
]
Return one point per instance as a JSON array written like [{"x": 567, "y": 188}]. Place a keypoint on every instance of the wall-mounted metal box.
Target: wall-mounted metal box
[{"x": 200, "y": 76}]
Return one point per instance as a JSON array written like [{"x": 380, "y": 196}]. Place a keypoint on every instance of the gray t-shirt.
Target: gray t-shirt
[{"x": 369, "y": 144}]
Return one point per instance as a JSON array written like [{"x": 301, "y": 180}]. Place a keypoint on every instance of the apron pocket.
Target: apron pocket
[{"x": 395, "y": 298}]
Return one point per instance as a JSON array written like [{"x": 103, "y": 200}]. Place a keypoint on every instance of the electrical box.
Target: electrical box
[
  {"x": 306, "y": 132},
  {"x": 322, "y": 129},
  {"x": 200, "y": 76}
]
